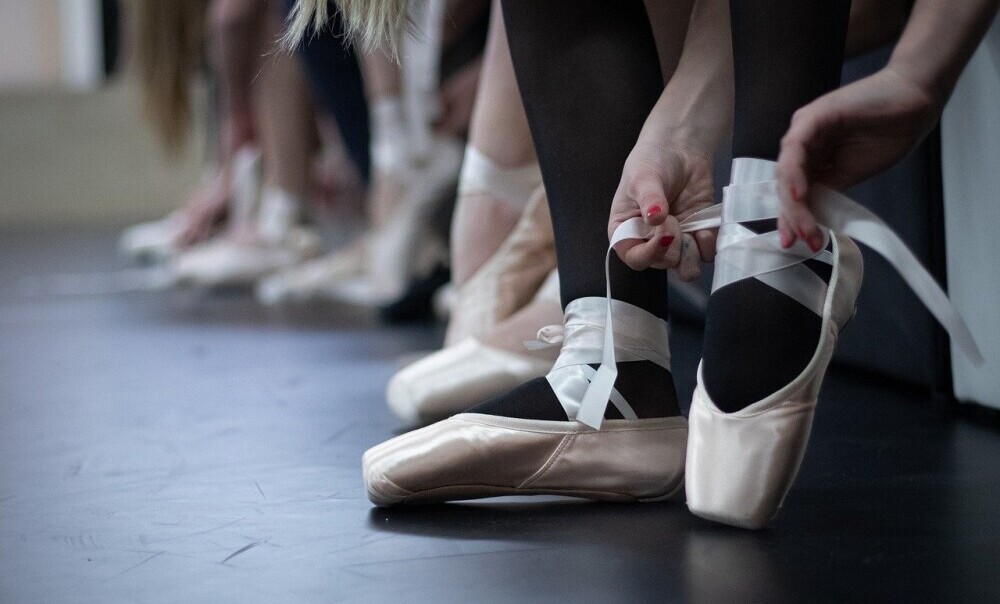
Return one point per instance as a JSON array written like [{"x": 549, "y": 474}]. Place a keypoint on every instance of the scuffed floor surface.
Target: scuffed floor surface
[{"x": 185, "y": 447}]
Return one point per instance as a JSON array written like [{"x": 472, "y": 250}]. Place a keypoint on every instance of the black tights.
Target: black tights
[
  {"x": 786, "y": 54},
  {"x": 589, "y": 74}
]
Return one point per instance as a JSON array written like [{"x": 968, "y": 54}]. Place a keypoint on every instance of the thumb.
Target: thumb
[{"x": 647, "y": 191}]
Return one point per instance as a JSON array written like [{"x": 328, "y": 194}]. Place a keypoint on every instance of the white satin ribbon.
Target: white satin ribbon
[
  {"x": 513, "y": 185},
  {"x": 743, "y": 256},
  {"x": 641, "y": 337}
]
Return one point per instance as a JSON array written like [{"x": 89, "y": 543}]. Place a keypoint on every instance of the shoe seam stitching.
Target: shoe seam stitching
[{"x": 563, "y": 445}]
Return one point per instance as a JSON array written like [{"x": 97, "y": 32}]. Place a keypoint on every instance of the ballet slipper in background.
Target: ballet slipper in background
[
  {"x": 264, "y": 236},
  {"x": 478, "y": 368},
  {"x": 316, "y": 279},
  {"x": 473, "y": 455},
  {"x": 201, "y": 218},
  {"x": 510, "y": 278},
  {"x": 406, "y": 245},
  {"x": 484, "y": 354}
]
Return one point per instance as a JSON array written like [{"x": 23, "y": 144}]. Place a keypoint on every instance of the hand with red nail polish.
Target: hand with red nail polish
[
  {"x": 668, "y": 175},
  {"x": 844, "y": 138},
  {"x": 663, "y": 184}
]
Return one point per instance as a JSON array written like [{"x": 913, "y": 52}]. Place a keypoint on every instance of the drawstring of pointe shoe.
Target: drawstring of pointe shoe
[{"x": 762, "y": 255}]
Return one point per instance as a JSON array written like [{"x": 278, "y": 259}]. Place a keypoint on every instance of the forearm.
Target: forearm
[
  {"x": 938, "y": 41},
  {"x": 697, "y": 104}
]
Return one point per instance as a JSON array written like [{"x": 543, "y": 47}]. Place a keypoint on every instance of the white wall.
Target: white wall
[
  {"x": 50, "y": 42},
  {"x": 970, "y": 141}
]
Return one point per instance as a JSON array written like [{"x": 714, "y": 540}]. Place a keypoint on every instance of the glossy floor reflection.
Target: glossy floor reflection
[{"x": 184, "y": 447}]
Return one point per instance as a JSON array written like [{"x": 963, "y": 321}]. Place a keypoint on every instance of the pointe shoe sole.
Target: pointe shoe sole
[{"x": 471, "y": 456}]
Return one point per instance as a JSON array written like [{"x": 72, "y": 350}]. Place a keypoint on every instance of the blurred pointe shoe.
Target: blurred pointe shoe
[
  {"x": 408, "y": 245},
  {"x": 316, "y": 279},
  {"x": 457, "y": 377},
  {"x": 275, "y": 242},
  {"x": 509, "y": 279},
  {"x": 155, "y": 240}
]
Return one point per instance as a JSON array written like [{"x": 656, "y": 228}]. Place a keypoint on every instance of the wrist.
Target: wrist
[
  {"x": 920, "y": 76},
  {"x": 690, "y": 136}
]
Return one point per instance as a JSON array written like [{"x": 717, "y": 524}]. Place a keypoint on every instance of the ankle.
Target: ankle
[{"x": 648, "y": 388}]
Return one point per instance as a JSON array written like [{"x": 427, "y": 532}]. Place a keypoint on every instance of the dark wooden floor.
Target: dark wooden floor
[{"x": 184, "y": 447}]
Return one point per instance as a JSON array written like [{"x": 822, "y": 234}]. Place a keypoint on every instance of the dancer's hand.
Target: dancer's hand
[
  {"x": 845, "y": 137},
  {"x": 664, "y": 183}
]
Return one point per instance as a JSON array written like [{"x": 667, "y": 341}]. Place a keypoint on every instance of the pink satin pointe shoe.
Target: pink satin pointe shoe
[
  {"x": 741, "y": 465},
  {"x": 472, "y": 455}
]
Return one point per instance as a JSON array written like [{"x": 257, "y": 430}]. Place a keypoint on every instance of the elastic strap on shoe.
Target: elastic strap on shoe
[{"x": 746, "y": 256}]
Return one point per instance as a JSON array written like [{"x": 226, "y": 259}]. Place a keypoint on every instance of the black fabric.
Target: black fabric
[
  {"x": 786, "y": 53},
  {"x": 648, "y": 388},
  {"x": 588, "y": 74},
  {"x": 335, "y": 76}
]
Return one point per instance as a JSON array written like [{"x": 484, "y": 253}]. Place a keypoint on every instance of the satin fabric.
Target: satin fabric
[
  {"x": 453, "y": 379},
  {"x": 510, "y": 278},
  {"x": 471, "y": 456}
]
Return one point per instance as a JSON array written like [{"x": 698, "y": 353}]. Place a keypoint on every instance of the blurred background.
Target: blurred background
[{"x": 74, "y": 150}]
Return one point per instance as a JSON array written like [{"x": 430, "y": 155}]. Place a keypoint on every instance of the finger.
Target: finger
[
  {"x": 647, "y": 191},
  {"x": 689, "y": 267},
  {"x": 633, "y": 253},
  {"x": 660, "y": 250},
  {"x": 809, "y": 128},
  {"x": 706, "y": 244},
  {"x": 668, "y": 239}
]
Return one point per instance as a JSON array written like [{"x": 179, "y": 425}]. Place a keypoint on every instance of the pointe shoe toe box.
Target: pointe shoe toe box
[{"x": 453, "y": 379}]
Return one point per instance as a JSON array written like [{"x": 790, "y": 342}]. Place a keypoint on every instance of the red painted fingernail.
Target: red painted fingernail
[
  {"x": 815, "y": 243},
  {"x": 666, "y": 240},
  {"x": 653, "y": 211},
  {"x": 786, "y": 240}
]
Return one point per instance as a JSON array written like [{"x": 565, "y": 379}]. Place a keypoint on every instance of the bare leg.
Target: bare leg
[
  {"x": 236, "y": 44},
  {"x": 500, "y": 132},
  {"x": 287, "y": 131}
]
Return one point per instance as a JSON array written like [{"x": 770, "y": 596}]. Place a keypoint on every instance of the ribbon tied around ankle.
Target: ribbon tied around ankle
[{"x": 762, "y": 255}]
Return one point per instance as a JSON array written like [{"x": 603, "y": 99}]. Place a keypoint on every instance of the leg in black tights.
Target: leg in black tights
[
  {"x": 786, "y": 54},
  {"x": 589, "y": 75}
]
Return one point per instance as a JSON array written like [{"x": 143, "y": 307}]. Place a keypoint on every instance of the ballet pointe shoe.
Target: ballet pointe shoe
[
  {"x": 741, "y": 465},
  {"x": 407, "y": 245},
  {"x": 509, "y": 279},
  {"x": 273, "y": 243},
  {"x": 316, "y": 278},
  {"x": 155, "y": 240},
  {"x": 473, "y": 455},
  {"x": 459, "y": 376}
]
